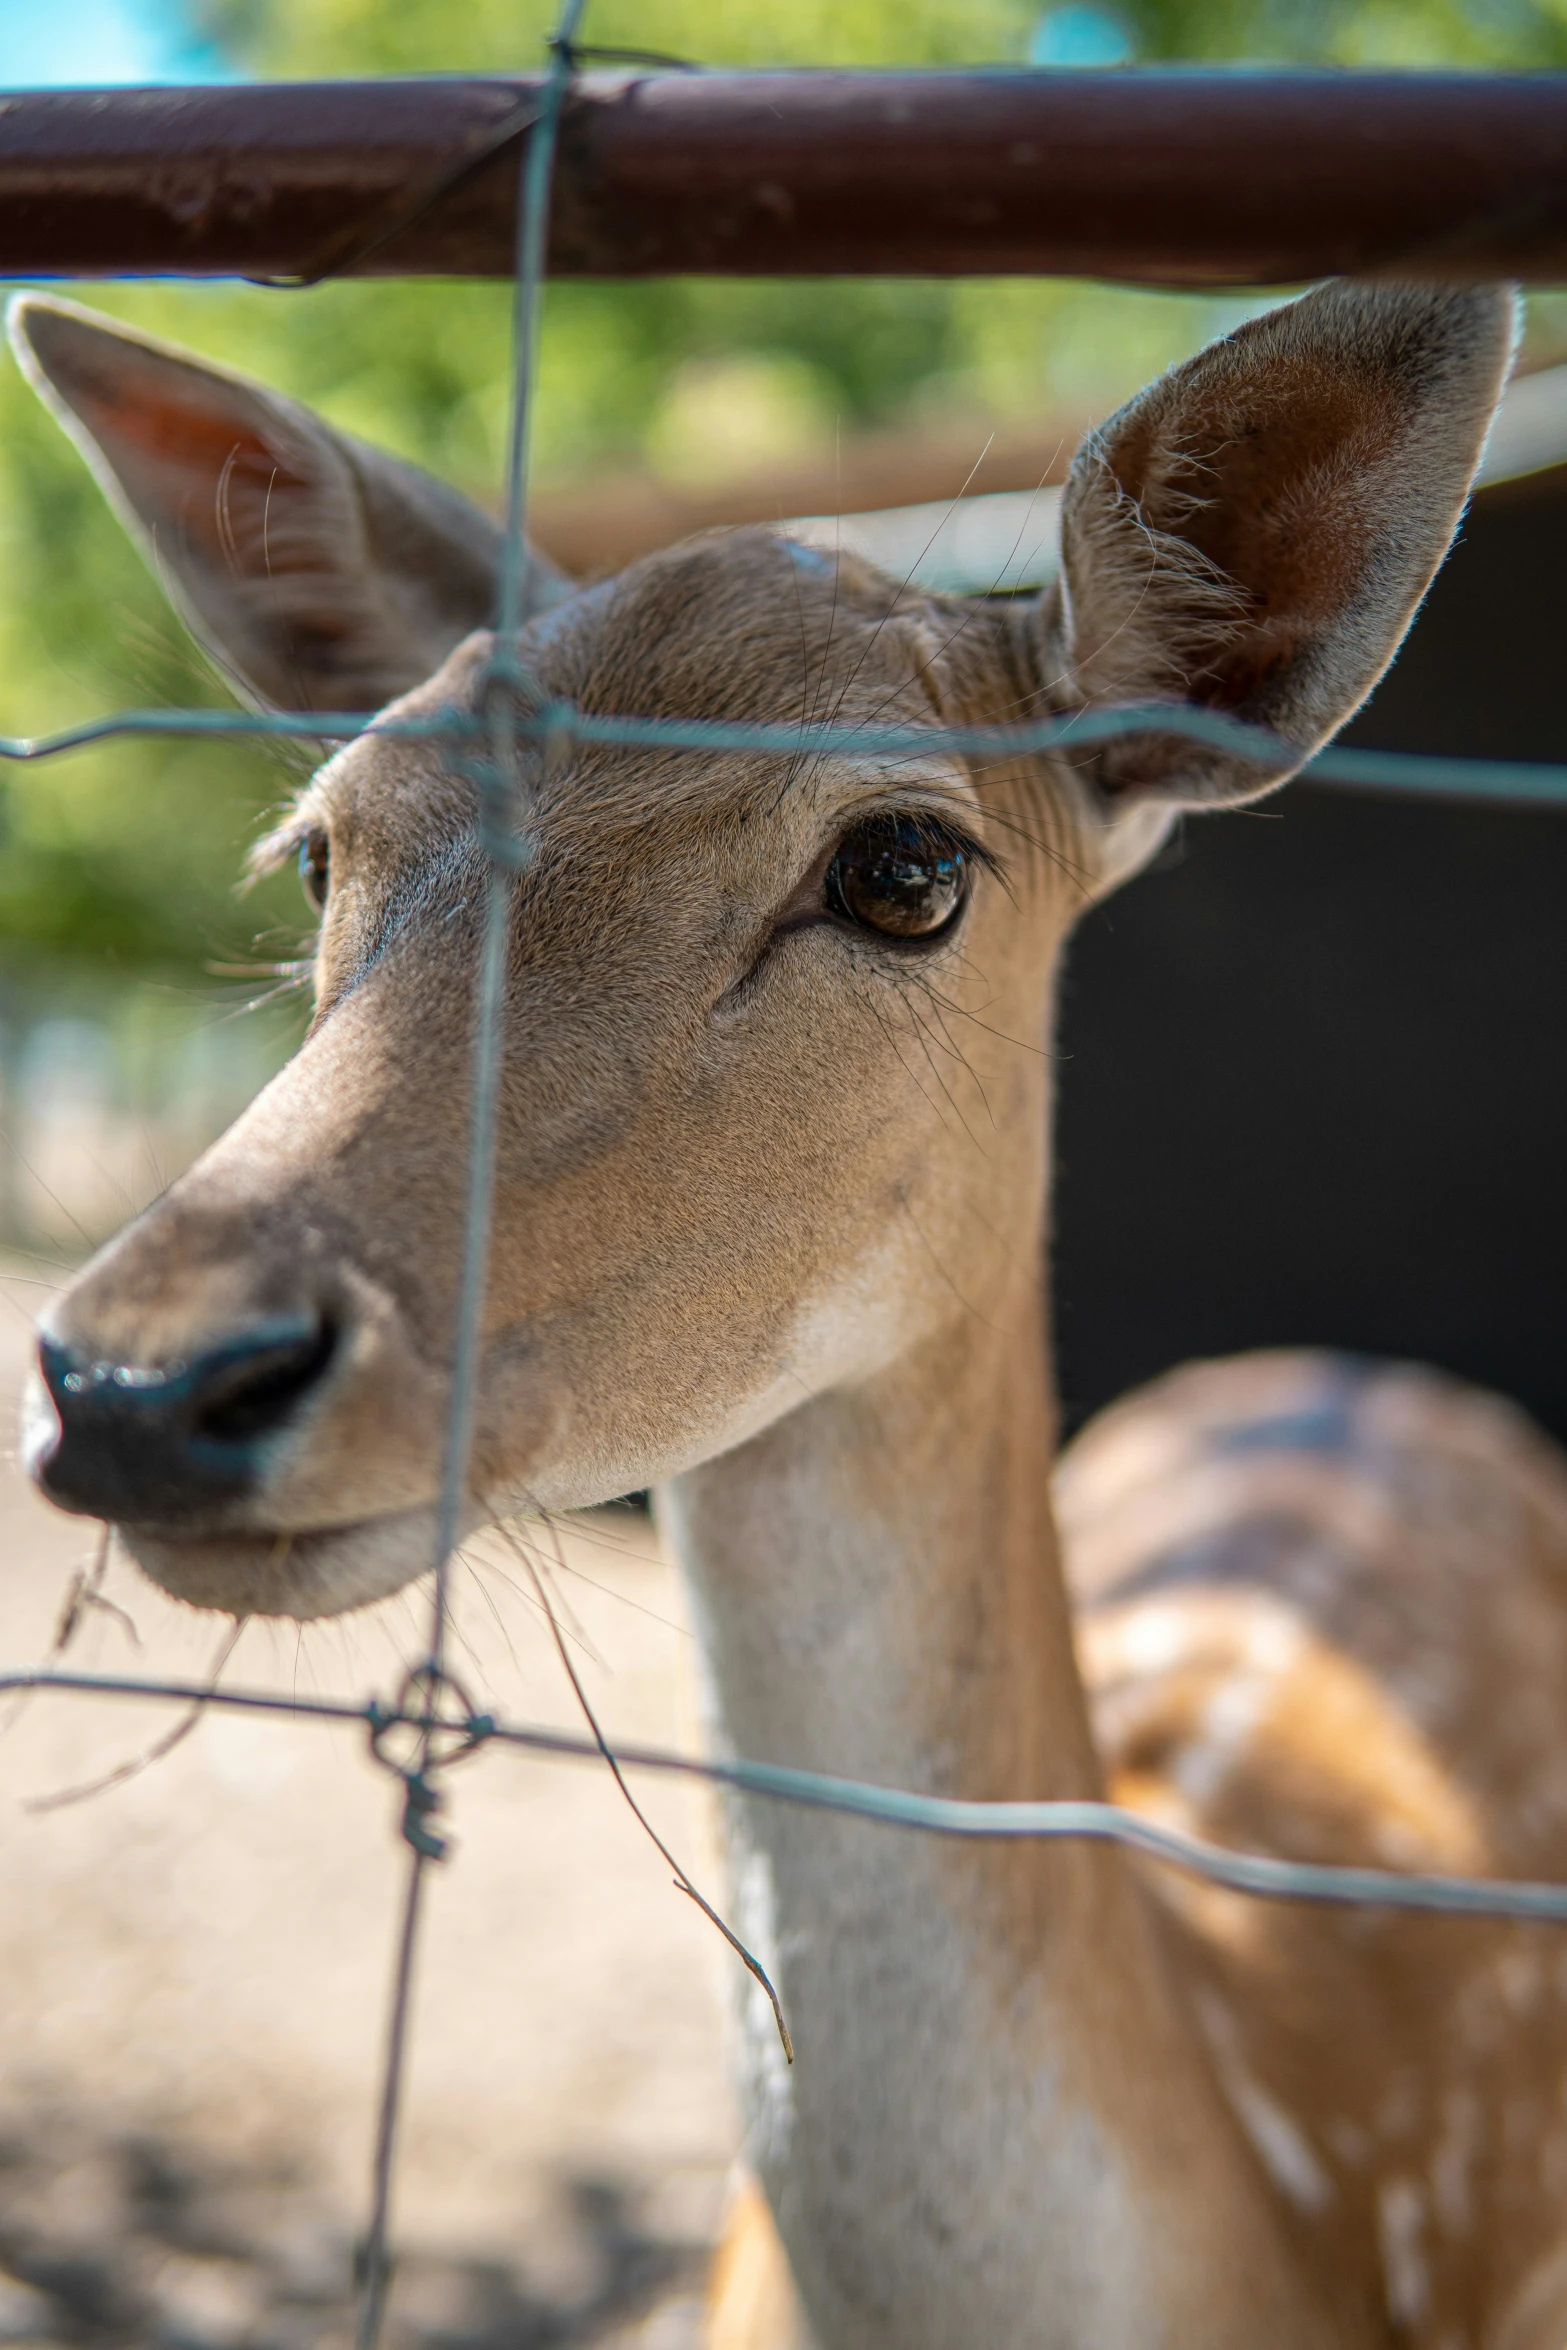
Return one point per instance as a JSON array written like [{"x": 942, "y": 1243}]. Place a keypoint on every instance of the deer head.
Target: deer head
[{"x": 775, "y": 1087}]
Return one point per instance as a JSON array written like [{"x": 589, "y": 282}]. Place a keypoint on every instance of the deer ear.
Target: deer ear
[
  {"x": 1254, "y": 532},
  {"x": 319, "y": 573}
]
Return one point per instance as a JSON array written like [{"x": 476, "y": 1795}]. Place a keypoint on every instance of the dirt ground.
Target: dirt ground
[{"x": 194, "y": 1966}]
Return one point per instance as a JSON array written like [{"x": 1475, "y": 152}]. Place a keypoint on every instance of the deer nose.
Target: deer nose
[{"x": 155, "y": 1443}]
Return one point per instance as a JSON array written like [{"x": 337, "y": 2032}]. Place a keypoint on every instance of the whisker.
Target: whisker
[
  {"x": 624, "y": 1597},
  {"x": 152, "y": 1754},
  {"x": 510, "y": 1536},
  {"x": 473, "y": 1566},
  {"x": 903, "y": 586}
]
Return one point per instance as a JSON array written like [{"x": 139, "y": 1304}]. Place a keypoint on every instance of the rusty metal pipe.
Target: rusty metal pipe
[{"x": 1154, "y": 176}]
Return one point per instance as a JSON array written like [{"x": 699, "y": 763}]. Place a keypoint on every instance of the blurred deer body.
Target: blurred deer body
[{"x": 772, "y": 1181}]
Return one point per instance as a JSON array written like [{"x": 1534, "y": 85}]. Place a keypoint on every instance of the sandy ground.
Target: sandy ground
[{"x": 194, "y": 1965}]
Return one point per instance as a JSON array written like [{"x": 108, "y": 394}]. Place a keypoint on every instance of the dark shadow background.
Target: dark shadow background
[{"x": 1313, "y": 1087}]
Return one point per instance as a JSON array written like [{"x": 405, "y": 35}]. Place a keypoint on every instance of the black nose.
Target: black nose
[{"x": 154, "y": 1443}]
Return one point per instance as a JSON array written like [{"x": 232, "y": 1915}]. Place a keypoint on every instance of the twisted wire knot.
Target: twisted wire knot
[{"x": 416, "y": 1737}]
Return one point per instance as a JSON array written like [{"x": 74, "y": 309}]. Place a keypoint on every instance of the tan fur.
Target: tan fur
[
  {"x": 1324, "y": 1613},
  {"x": 769, "y": 1233},
  {"x": 751, "y": 2300}
]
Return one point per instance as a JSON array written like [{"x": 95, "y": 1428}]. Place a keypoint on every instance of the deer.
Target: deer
[{"x": 771, "y": 1239}]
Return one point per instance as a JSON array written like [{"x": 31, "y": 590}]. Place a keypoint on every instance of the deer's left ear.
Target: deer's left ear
[{"x": 1254, "y": 532}]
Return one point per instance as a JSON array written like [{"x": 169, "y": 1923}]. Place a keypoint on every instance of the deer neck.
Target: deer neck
[{"x": 1000, "y": 2127}]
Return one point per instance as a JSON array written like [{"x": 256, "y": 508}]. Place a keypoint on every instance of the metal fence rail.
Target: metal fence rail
[{"x": 1145, "y": 175}]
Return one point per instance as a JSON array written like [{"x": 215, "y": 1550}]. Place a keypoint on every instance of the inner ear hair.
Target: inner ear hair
[
  {"x": 318, "y": 572},
  {"x": 1253, "y": 534}
]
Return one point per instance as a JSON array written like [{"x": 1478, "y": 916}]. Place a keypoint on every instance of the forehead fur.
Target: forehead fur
[{"x": 739, "y": 625}]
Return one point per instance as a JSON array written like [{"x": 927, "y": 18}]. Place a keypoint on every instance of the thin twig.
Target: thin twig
[
  {"x": 682, "y": 1881},
  {"x": 154, "y": 1753},
  {"x": 85, "y": 1594},
  {"x": 84, "y": 1591}
]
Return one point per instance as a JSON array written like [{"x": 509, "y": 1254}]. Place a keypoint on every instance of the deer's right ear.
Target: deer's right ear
[
  {"x": 319, "y": 573},
  {"x": 1254, "y": 532}
]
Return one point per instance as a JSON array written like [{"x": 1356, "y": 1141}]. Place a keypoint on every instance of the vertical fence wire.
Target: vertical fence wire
[
  {"x": 375, "y": 2264},
  {"x": 500, "y": 835},
  {"x": 500, "y": 809}
]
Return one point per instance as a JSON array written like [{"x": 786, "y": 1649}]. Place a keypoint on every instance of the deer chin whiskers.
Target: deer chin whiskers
[{"x": 299, "y": 1574}]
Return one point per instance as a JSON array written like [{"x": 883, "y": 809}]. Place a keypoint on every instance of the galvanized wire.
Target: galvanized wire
[
  {"x": 1261, "y": 1875},
  {"x": 505, "y": 850},
  {"x": 505, "y": 846},
  {"x": 1518, "y": 782},
  {"x": 374, "y": 2260}
]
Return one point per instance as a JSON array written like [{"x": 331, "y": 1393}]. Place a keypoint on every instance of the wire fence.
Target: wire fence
[
  {"x": 559, "y": 724},
  {"x": 432, "y": 1726}
]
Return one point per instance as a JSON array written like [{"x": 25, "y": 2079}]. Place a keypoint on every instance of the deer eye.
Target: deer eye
[
  {"x": 315, "y": 867},
  {"x": 904, "y": 876}
]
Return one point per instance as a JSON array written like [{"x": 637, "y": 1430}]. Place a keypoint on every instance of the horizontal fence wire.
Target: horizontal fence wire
[
  {"x": 1259, "y": 1874},
  {"x": 561, "y": 724}
]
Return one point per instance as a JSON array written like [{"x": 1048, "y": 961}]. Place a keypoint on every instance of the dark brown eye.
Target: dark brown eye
[
  {"x": 315, "y": 867},
  {"x": 904, "y": 876}
]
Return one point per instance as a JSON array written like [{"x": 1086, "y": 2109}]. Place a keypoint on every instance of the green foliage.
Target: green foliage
[
  {"x": 496, "y": 36},
  {"x": 127, "y": 852}
]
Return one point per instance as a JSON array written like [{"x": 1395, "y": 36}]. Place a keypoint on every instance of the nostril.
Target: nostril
[
  {"x": 250, "y": 1388},
  {"x": 154, "y": 1443}
]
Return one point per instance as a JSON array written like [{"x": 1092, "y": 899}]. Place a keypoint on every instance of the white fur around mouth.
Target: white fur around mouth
[{"x": 323, "y": 1571}]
